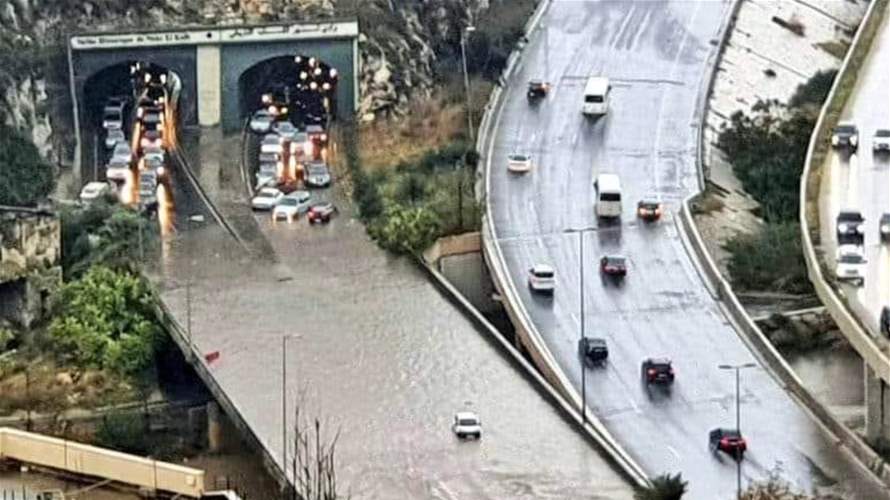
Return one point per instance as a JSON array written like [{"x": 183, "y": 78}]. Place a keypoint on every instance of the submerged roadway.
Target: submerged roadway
[{"x": 657, "y": 55}]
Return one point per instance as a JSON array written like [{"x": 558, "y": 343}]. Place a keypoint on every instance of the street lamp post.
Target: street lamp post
[
  {"x": 583, "y": 334},
  {"x": 188, "y": 286},
  {"x": 738, "y": 425},
  {"x": 284, "y": 339},
  {"x": 463, "y": 51}
]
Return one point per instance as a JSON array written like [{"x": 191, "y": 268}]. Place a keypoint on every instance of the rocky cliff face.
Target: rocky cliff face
[{"x": 400, "y": 45}]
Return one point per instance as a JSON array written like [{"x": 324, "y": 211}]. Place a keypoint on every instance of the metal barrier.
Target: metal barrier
[{"x": 79, "y": 458}]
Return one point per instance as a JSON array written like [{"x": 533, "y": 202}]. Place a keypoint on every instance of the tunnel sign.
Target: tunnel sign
[{"x": 213, "y": 36}]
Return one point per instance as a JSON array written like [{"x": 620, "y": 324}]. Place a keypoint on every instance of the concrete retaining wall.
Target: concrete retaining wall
[{"x": 88, "y": 460}]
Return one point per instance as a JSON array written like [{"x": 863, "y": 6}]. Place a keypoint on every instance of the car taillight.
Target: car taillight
[
  {"x": 671, "y": 371},
  {"x": 724, "y": 442},
  {"x": 650, "y": 371}
]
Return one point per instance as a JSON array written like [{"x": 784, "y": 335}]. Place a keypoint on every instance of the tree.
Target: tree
[
  {"x": 663, "y": 487},
  {"x": 772, "y": 259},
  {"x": 103, "y": 234},
  {"x": 105, "y": 320},
  {"x": 406, "y": 229},
  {"x": 25, "y": 178}
]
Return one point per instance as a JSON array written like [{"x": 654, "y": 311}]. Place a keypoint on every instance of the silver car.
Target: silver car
[
  {"x": 261, "y": 122},
  {"x": 318, "y": 175},
  {"x": 113, "y": 137},
  {"x": 121, "y": 153}
]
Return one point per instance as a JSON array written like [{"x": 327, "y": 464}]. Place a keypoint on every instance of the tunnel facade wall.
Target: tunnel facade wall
[
  {"x": 236, "y": 59},
  {"x": 180, "y": 60}
]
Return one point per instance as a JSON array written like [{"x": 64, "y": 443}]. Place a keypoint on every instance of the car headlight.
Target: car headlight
[
  {"x": 834, "y": 140},
  {"x": 860, "y": 228},
  {"x": 885, "y": 228},
  {"x": 842, "y": 228},
  {"x": 854, "y": 139}
]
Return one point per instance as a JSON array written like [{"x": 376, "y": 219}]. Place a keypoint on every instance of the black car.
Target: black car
[
  {"x": 850, "y": 228},
  {"x": 845, "y": 135},
  {"x": 657, "y": 371},
  {"x": 537, "y": 90},
  {"x": 593, "y": 350},
  {"x": 885, "y": 320},
  {"x": 884, "y": 227},
  {"x": 728, "y": 441}
]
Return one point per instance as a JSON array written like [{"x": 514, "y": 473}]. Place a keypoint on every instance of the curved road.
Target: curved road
[
  {"x": 657, "y": 54},
  {"x": 862, "y": 182}
]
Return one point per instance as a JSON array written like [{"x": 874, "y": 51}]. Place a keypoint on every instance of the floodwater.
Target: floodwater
[
  {"x": 833, "y": 376},
  {"x": 375, "y": 352}
]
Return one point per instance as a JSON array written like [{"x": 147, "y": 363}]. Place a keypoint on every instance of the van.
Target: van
[
  {"x": 608, "y": 195},
  {"x": 596, "y": 96}
]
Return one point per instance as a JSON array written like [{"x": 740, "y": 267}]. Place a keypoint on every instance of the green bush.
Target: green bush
[
  {"x": 103, "y": 234},
  {"x": 125, "y": 432},
  {"x": 406, "y": 229},
  {"x": 769, "y": 260},
  {"x": 25, "y": 178},
  {"x": 664, "y": 487},
  {"x": 105, "y": 320}
]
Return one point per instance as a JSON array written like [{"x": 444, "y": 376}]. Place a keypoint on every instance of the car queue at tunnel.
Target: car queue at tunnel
[{"x": 290, "y": 140}]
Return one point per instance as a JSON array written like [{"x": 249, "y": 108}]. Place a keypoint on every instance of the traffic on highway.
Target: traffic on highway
[
  {"x": 592, "y": 151},
  {"x": 855, "y": 206}
]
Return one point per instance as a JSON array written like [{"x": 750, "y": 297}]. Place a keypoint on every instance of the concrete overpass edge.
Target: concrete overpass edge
[
  {"x": 856, "y": 333},
  {"x": 749, "y": 332}
]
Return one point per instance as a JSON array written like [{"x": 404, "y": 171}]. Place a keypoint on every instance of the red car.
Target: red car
[
  {"x": 657, "y": 371},
  {"x": 613, "y": 265},
  {"x": 321, "y": 212},
  {"x": 649, "y": 210},
  {"x": 729, "y": 441}
]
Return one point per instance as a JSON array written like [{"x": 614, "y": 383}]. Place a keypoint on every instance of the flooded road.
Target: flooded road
[{"x": 377, "y": 353}]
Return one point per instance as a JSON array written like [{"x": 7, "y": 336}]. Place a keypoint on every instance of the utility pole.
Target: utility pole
[
  {"x": 738, "y": 418},
  {"x": 582, "y": 311},
  {"x": 463, "y": 50}
]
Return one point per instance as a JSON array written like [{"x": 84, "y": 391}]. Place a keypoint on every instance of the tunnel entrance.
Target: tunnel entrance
[
  {"x": 122, "y": 80},
  {"x": 302, "y": 87}
]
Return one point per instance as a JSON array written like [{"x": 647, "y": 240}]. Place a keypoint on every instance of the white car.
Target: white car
[
  {"x": 519, "y": 163},
  {"x": 117, "y": 170},
  {"x": 266, "y": 198},
  {"x": 466, "y": 425},
  {"x": 264, "y": 179},
  {"x": 151, "y": 139},
  {"x": 850, "y": 264},
  {"x": 318, "y": 175},
  {"x": 122, "y": 153},
  {"x": 291, "y": 206},
  {"x": 881, "y": 141},
  {"x": 92, "y": 191},
  {"x": 261, "y": 122},
  {"x": 542, "y": 278},
  {"x": 272, "y": 143},
  {"x": 285, "y": 129},
  {"x": 113, "y": 137}
]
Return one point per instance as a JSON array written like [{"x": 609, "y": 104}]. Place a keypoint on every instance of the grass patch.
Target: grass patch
[{"x": 771, "y": 259}]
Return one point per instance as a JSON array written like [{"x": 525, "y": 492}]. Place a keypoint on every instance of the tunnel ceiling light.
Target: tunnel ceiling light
[
  {"x": 313, "y": 85},
  {"x": 317, "y": 71},
  {"x": 298, "y": 59},
  {"x": 147, "y": 77},
  {"x": 303, "y": 75},
  {"x": 326, "y": 86},
  {"x": 312, "y": 61},
  {"x": 333, "y": 72},
  {"x": 163, "y": 78},
  {"x": 266, "y": 98}
]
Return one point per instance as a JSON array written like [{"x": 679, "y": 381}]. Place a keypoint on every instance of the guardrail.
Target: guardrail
[
  {"x": 757, "y": 342},
  {"x": 856, "y": 333},
  {"x": 79, "y": 458},
  {"x": 525, "y": 329}
]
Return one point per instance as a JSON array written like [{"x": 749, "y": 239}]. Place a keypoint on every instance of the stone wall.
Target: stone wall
[{"x": 30, "y": 254}]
